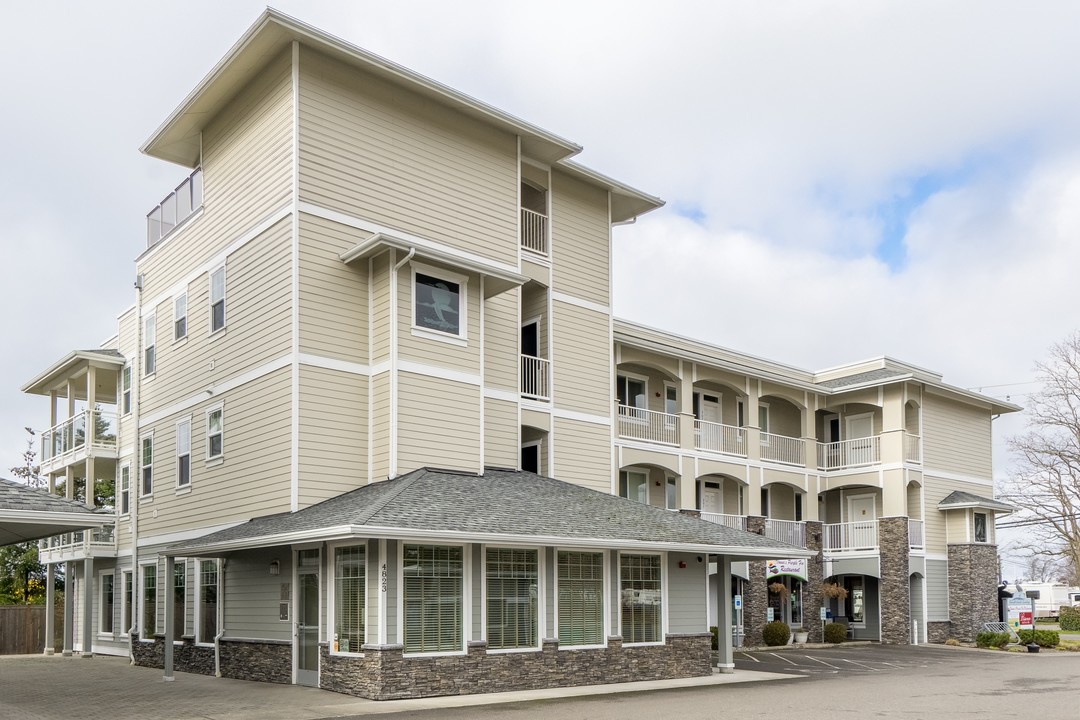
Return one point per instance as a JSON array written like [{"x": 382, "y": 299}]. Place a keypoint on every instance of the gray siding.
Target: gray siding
[
  {"x": 686, "y": 595},
  {"x": 937, "y": 590},
  {"x": 252, "y": 596},
  {"x": 393, "y": 599}
]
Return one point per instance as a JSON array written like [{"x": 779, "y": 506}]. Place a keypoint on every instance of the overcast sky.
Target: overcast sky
[{"x": 844, "y": 179}]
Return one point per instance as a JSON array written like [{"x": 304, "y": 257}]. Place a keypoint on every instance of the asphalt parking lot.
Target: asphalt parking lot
[{"x": 842, "y": 659}]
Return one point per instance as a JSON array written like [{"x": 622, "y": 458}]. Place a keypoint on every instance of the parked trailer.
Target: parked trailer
[{"x": 1048, "y": 597}]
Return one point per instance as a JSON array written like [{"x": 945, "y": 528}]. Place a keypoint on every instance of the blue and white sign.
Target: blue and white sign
[{"x": 738, "y": 602}]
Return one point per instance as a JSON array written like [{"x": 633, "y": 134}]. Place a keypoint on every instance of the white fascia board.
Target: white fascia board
[
  {"x": 343, "y": 532},
  {"x": 76, "y": 520}
]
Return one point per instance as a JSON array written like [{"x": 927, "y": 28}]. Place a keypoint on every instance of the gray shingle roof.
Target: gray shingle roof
[
  {"x": 863, "y": 377},
  {"x": 29, "y": 514},
  {"x": 960, "y": 499},
  {"x": 497, "y": 503}
]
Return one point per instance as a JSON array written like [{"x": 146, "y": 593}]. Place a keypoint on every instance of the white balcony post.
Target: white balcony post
[
  {"x": 50, "y": 608},
  {"x": 69, "y": 607},
  {"x": 88, "y": 603},
  {"x": 170, "y": 611}
]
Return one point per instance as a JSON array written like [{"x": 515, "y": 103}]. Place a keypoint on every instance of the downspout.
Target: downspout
[
  {"x": 221, "y": 617},
  {"x": 135, "y": 478},
  {"x": 393, "y": 359}
]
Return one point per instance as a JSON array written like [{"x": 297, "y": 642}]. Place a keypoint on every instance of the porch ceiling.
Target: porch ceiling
[{"x": 28, "y": 514}]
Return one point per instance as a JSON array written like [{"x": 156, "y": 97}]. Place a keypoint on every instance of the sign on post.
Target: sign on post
[
  {"x": 738, "y": 602},
  {"x": 770, "y": 615},
  {"x": 824, "y": 614},
  {"x": 1021, "y": 613}
]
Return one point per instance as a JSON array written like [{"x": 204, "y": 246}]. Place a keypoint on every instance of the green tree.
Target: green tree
[{"x": 22, "y": 576}]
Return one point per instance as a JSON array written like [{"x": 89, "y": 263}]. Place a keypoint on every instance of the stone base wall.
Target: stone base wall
[
  {"x": 815, "y": 575},
  {"x": 187, "y": 656},
  {"x": 385, "y": 673},
  {"x": 939, "y": 631},
  {"x": 261, "y": 660},
  {"x": 756, "y": 593},
  {"x": 894, "y": 588},
  {"x": 973, "y": 584}
]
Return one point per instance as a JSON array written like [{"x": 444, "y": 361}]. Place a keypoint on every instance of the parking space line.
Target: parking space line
[
  {"x": 748, "y": 655},
  {"x": 780, "y": 657},
  {"x": 868, "y": 667},
  {"x": 834, "y": 667}
]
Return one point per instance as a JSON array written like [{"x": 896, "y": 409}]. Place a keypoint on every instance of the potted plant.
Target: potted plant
[
  {"x": 801, "y": 636},
  {"x": 834, "y": 590}
]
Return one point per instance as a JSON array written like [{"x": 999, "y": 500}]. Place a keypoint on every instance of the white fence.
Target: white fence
[
  {"x": 792, "y": 532},
  {"x": 535, "y": 377},
  {"x": 534, "y": 231},
  {"x": 862, "y": 535},
  {"x": 736, "y": 522},
  {"x": 648, "y": 425},
  {"x": 782, "y": 449},
  {"x": 849, "y": 453},
  {"x": 726, "y": 439}
]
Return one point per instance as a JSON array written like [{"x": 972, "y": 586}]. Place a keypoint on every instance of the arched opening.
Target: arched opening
[{"x": 650, "y": 485}]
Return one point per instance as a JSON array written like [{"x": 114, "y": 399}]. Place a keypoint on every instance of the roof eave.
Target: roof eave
[{"x": 40, "y": 384}]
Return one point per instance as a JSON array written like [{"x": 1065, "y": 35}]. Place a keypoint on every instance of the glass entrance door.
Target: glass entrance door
[{"x": 307, "y": 618}]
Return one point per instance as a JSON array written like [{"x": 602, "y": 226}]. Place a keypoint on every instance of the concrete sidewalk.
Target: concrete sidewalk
[{"x": 58, "y": 688}]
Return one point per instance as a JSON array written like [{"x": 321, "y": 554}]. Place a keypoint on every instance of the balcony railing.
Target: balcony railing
[
  {"x": 535, "y": 375},
  {"x": 916, "y": 539},
  {"x": 852, "y": 536},
  {"x": 792, "y": 532},
  {"x": 91, "y": 428},
  {"x": 912, "y": 448},
  {"x": 78, "y": 544},
  {"x": 648, "y": 425},
  {"x": 726, "y": 439},
  {"x": 782, "y": 449},
  {"x": 736, "y": 522},
  {"x": 175, "y": 208},
  {"x": 534, "y": 232},
  {"x": 849, "y": 453}
]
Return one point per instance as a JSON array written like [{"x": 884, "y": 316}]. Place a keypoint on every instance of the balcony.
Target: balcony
[
  {"x": 792, "y": 532},
  {"x": 177, "y": 207},
  {"x": 846, "y": 454},
  {"x": 782, "y": 449},
  {"x": 912, "y": 448},
  {"x": 89, "y": 432},
  {"x": 648, "y": 425},
  {"x": 535, "y": 378},
  {"x": 724, "y": 439},
  {"x": 534, "y": 232},
  {"x": 735, "y": 522},
  {"x": 916, "y": 538},
  {"x": 78, "y": 545},
  {"x": 859, "y": 536}
]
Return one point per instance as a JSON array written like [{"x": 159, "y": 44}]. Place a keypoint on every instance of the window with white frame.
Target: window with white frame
[
  {"x": 981, "y": 534},
  {"x": 631, "y": 391},
  {"x": 125, "y": 390},
  {"x": 634, "y": 486},
  {"x": 206, "y": 607},
  {"x": 432, "y": 598},
  {"x": 672, "y": 496},
  {"x": 671, "y": 399},
  {"x": 763, "y": 417},
  {"x": 215, "y": 433},
  {"x": 125, "y": 608},
  {"x": 125, "y": 489},
  {"x": 217, "y": 299},
  {"x": 148, "y": 604},
  {"x": 180, "y": 317},
  {"x": 106, "y": 603},
  {"x": 149, "y": 345},
  {"x": 183, "y": 453},
  {"x": 350, "y": 598},
  {"x": 512, "y": 591},
  {"x": 580, "y": 577},
  {"x": 179, "y": 590},
  {"x": 641, "y": 598},
  {"x": 439, "y": 301},
  {"x": 146, "y": 465}
]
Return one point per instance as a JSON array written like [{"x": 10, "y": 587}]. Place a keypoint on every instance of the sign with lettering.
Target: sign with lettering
[
  {"x": 738, "y": 602},
  {"x": 794, "y": 568},
  {"x": 1021, "y": 613}
]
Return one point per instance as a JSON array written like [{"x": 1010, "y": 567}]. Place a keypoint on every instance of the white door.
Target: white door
[
  {"x": 862, "y": 523},
  {"x": 710, "y": 437},
  {"x": 860, "y": 445},
  {"x": 712, "y": 501}
]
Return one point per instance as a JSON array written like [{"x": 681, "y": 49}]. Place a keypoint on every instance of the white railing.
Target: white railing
[
  {"x": 849, "y": 453},
  {"x": 912, "y": 448},
  {"x": 535, "y": 377},
  {"x": 648, "y": 425},
  {"x": 78, "y": 544},
  {"x": 850, "y": 536},
  {"x": 736, "y": 522},
  {"x": 534, "y": 231},
  {"x": 782, "y": 449},
  {"x": 726, "y": 439},
  {"x": 175, "y": 208},
  {"x": 94, "y": 427},
  {"x": 916, "y": 539},
  {"x": 792, "y": 532}
]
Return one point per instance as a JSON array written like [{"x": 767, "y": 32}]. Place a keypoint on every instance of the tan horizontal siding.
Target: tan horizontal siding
[
  {"x": 379, "y": 308},
  {"x": 956, "y": 437},
  {"x": 583, "y": 454},
  {"x": 580, "y": 254},
  {"x": 380, "y": 426},
  {"x": 501, "y": 342},
  {"x": 438, "y": 424},
  {"x": 379, "y": 152},
  {"x": 581, "y": 362},
  {"x": 534, "y": 304},
  {"x": 247, "y": 174},
  {"x": 934, "y": 491},
  {"x": 333, "y": 295},
  {"x": 258, "y": 298},
  {"x": 501, "y": 446},
  {"x": 254, "y": 478},
  {"x": 333, "y": 433}
]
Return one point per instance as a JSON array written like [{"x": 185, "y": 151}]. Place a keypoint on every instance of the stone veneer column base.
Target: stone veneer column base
[
  {"x": 384, "y": 672},
  {"x": 894, "y": 588},
  {"x": 756, "y": 595},
  {"x": 973, "y": 583},
  {"x": 815, "y": 576},
  {"x": 187, "y": 656}
]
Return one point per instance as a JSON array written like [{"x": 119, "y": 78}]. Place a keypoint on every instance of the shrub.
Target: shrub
[
  {"x": 1069, "y": 619},
  {"x": 992, "y": 639},
  {"x": 835, "y": 633},
  {"x": 776, "y": 633},
  {"x": 953, "y": 642},
  {"x": 1042, "y": 638},
  {"x": 715, "y": 637}
]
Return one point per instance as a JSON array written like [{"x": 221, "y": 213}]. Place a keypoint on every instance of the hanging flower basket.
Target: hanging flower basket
[
  {"x": 779, "y": 589},
  {"x": 834, "y": 590}
]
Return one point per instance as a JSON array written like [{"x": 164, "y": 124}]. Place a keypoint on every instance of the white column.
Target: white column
[
  {"x": 69, "y": 606},
  {"x": 724, "y": 621},
  {"x": 50, "y": 608},
  {"x": 88, "y": 606},
  {"x": 170, "y": 609}
]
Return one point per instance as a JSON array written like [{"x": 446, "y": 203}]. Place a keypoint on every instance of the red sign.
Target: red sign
[{"x": 1025, "y": 619}]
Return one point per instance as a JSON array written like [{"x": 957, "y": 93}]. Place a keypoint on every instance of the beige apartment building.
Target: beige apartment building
[{"x": 369, "y": 418}]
